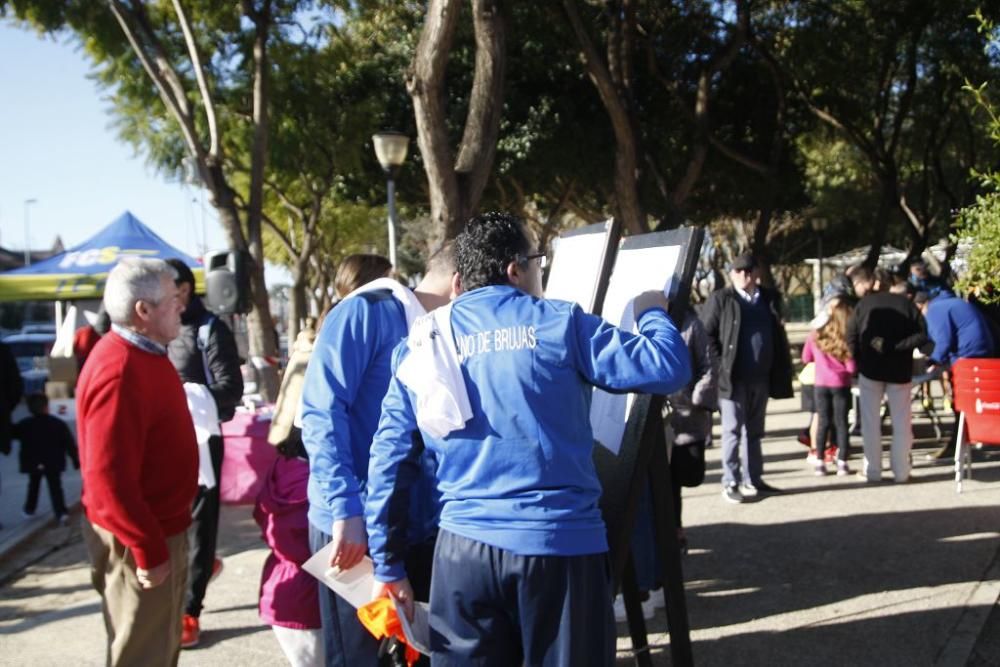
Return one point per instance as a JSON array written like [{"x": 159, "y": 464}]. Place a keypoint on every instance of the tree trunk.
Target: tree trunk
[
  {"x": 456, "y": 184},
  {"x": 628, "y": 206},
  {"x": 886, "y": 205},
  {"x": 296, "y": 308},
  {"x": 758, "y": 245},
  {"x": 264, "y": 344}
]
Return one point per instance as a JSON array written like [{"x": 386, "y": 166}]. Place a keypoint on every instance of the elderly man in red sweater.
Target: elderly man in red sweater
[{"x": 139, "y": 461}]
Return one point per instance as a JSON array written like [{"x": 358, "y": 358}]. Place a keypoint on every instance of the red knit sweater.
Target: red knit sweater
[{"x": 138, "y": 453}]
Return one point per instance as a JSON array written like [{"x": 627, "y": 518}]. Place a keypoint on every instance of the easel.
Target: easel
[{"x": 643, "y": 459}]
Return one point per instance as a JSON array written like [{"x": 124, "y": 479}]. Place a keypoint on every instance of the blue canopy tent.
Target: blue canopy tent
[{"x": 80, "y": 272}]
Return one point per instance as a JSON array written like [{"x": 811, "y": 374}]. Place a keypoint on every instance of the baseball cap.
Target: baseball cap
[{"x": 744, "y": 262}]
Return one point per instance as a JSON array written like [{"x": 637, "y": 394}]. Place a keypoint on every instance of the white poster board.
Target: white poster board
[
  {"x": 577, "y": 258},
  {"x": 638, "y": 268}
]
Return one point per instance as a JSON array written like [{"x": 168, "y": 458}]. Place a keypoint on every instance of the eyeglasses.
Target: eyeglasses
[{"x": 542, "y": 259}]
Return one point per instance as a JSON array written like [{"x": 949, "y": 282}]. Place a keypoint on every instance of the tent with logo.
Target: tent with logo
[{"x": 80, "y": 272}]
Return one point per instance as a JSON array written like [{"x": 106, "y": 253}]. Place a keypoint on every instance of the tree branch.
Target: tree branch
[
  {"x": 162, "y": 74},
  {"x": 199, "y": 73}
]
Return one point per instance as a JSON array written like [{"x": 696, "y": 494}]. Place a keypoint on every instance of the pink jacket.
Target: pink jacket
[
  {"x": 830, "y": 371},
  {"x": 288, "y": 594}
]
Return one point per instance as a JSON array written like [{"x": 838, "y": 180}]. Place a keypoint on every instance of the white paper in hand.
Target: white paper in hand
[
  {"x": 354, "y": 585},
  {"x": 418, "y": 631}
]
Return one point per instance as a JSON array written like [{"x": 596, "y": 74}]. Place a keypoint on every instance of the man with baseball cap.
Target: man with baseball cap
[{"x": 743, "y": 323}]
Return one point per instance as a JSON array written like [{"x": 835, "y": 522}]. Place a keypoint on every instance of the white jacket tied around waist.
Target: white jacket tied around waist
[{"x": 205, "y": 416}]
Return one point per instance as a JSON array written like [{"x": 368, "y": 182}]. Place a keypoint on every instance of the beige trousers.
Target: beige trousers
[{"x": 144, "y": 626}]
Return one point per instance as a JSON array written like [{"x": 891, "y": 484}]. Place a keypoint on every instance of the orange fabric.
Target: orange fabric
[{"x": 379, "y": 618}]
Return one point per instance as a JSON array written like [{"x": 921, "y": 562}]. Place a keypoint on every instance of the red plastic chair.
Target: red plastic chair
[{"x": 977, "y": 399}]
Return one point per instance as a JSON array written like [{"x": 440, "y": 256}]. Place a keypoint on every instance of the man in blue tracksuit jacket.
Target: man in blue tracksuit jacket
[
  {"x": 345, "y": 382},
  {"x": 957, "y": 328},
  {"x": 520, "y": 571}
]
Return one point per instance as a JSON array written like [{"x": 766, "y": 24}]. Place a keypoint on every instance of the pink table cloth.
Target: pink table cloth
[{"x": 248, "y": 458}]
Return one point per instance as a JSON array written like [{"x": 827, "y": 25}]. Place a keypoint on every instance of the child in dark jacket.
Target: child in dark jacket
[{"x": 46, "y": 441}]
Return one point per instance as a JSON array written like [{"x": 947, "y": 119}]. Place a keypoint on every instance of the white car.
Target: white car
[{"x": 31, "y": 350}]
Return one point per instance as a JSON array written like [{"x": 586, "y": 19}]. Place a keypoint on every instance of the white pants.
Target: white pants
[
  {"x": 870, "y": 404},
  {"x": 303, "y": 648}
]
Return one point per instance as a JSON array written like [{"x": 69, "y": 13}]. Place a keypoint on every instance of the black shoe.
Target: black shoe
[
  {"x": 764, "y": 487},
  {"x": 731, "y": 494}
]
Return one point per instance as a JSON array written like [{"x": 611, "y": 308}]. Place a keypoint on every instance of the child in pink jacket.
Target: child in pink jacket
[
  {"x": 289, "y": 600},
  {"x": 827, "y": 348}
]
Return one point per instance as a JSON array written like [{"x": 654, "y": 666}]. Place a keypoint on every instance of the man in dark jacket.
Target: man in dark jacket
[
  {"x": 11, "y": 389},
  {"x": 204, "y": 353},
  {"x": 744, "y": 325},
  {"x": 882, "y": 334}
]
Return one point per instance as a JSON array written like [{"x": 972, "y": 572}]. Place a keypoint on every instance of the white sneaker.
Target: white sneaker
[
  {"x": 659, "y": 599},
  {"x": 619, "y": 605},
  {"x": 748, "y": 490},
  {"x": 648, "y": 609}
]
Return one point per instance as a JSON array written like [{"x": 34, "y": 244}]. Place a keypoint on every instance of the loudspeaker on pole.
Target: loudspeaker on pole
[{"x": 227, "y": 281}]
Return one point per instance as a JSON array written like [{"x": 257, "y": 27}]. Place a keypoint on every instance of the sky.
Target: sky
[{"x": 57, "y": 147}]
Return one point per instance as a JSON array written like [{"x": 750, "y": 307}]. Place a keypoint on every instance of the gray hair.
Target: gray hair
[{"x": 134, "y": 279}]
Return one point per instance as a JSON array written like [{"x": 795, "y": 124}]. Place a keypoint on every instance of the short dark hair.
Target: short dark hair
[
  {"x": 486, "y": 246},
  {"x": 37, "y": 402},
  {"x": 184, "y": 274},
  {"x": 862, "y": 274}
]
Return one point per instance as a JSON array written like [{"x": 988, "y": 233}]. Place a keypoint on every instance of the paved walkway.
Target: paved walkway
[{"x": 834, "y": 571}]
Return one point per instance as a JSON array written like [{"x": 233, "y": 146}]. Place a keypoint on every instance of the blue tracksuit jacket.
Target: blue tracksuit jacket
[
  {"x": 345, "y": 381},
  {"x": 958, "y": 330},
  {"x": 519, "y": 475}
]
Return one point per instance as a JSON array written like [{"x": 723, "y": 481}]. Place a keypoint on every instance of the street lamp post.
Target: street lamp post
[
  {"x": 819, "y": 225},
  {"x": 27, "y": 232},
  {"x": 390, "y": 149}
]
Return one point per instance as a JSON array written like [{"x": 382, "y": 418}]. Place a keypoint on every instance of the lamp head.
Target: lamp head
[{"x": 390, "y": 149}]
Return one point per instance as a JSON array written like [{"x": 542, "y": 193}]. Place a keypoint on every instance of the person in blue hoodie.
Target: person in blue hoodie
[
  {"x": 958, "y": 330},
  {"x": 956, "y": 327},
  {"x": 520, "y": 573},
  {"x": 345, "y": 381}
]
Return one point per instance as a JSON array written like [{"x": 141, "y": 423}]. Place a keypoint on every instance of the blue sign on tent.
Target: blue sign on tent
[{"x": 80, "y": 272}]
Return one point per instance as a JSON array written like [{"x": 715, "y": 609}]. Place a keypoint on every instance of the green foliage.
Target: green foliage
[
  {"x": 980, "y": 223},
  {"x": 337, "y": 75}
]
